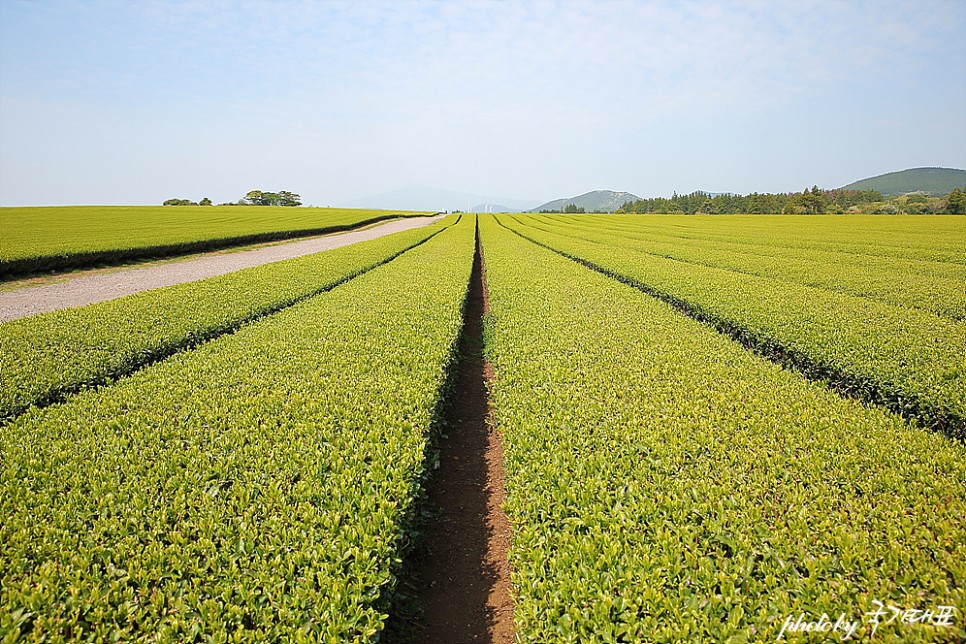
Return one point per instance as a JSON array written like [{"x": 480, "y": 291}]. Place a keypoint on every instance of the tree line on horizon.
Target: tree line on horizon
[{"x": 808, "y": 202}]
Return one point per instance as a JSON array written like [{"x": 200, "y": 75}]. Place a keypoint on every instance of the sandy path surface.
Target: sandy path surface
[{"x": 89, "y": 289}]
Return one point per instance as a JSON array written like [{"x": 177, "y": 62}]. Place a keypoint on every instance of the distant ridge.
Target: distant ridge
[
  {"x": 593, "y": 201},
  {"x": 934, "y": 181},
  {"x": 490, "y": 207}
]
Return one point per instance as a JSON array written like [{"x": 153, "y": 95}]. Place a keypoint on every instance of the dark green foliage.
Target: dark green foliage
[
  {"x": 810, "y": 201},
  {"x": 187, "y": 202},
  {"x": 281, "y": 198},
  {"x": 956, "y": 202}
]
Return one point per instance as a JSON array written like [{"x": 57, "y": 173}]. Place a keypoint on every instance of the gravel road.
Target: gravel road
[{"x": 89, "y": 289}]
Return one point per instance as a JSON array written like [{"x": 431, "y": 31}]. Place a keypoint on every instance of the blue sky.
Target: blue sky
[{"x": 135, "y": 102}]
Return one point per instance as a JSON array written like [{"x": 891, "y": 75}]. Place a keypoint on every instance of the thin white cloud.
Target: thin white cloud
[{"x": 375, "y": 83}]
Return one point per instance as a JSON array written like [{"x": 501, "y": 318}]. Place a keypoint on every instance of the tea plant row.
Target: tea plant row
[
  {"x": 258, "y": 487},
  {"x": 665, "y": 484},
  {"x": 909, "y": 359},
  {"x": 921, "y": 284},
  {"x": 57, "y": 238},
  {"x": 46, "y": 356},
  {"x": 929, "y": 239}
]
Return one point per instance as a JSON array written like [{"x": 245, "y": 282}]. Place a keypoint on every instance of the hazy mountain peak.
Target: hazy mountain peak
[{"x": 593, "y": 201}]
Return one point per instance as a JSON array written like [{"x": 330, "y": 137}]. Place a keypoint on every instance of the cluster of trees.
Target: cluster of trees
[
  {"x": 187, "y": 202},
  {"x": 280, "y": 198},
  {"x": 809, "y": 201}
]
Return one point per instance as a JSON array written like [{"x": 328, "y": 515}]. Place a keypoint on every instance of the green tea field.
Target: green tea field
[
  {"x": 709, "y": 429},
  {"x": 55, "y": 238}
]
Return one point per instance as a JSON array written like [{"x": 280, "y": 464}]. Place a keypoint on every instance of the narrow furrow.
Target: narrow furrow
[{"x": 455, "y": 583}]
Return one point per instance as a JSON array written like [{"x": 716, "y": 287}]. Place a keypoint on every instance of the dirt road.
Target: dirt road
[{"x": 98, "y": 287}]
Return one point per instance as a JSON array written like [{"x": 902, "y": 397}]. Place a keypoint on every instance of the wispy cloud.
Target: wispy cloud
[{"x": 380, "y": 82}]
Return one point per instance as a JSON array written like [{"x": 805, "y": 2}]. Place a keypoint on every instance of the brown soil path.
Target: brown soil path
[
  {"x": 458, "y": 574},
  {"x": 98, "y": 287}
]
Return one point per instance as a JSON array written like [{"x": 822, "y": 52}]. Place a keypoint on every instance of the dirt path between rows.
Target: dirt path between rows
[
  {"x": 458, "y": 575},
  {"x": 98, "y": 287}
]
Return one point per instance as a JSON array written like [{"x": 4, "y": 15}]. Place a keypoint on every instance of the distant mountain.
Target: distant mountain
[
  {"x": 935, "y": 181},
  {"x": 594, "y": 201},
  {"x": 495, "y": 207},
  {"x": 436, "y": 200}
]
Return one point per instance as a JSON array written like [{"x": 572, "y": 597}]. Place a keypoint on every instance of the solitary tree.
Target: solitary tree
[{"x": 287, "y": 198}]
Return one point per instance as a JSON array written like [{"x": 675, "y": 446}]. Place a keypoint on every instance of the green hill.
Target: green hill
[
  {"x": 935, "y": 181},
  {"x": 594, "y": 201}
]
